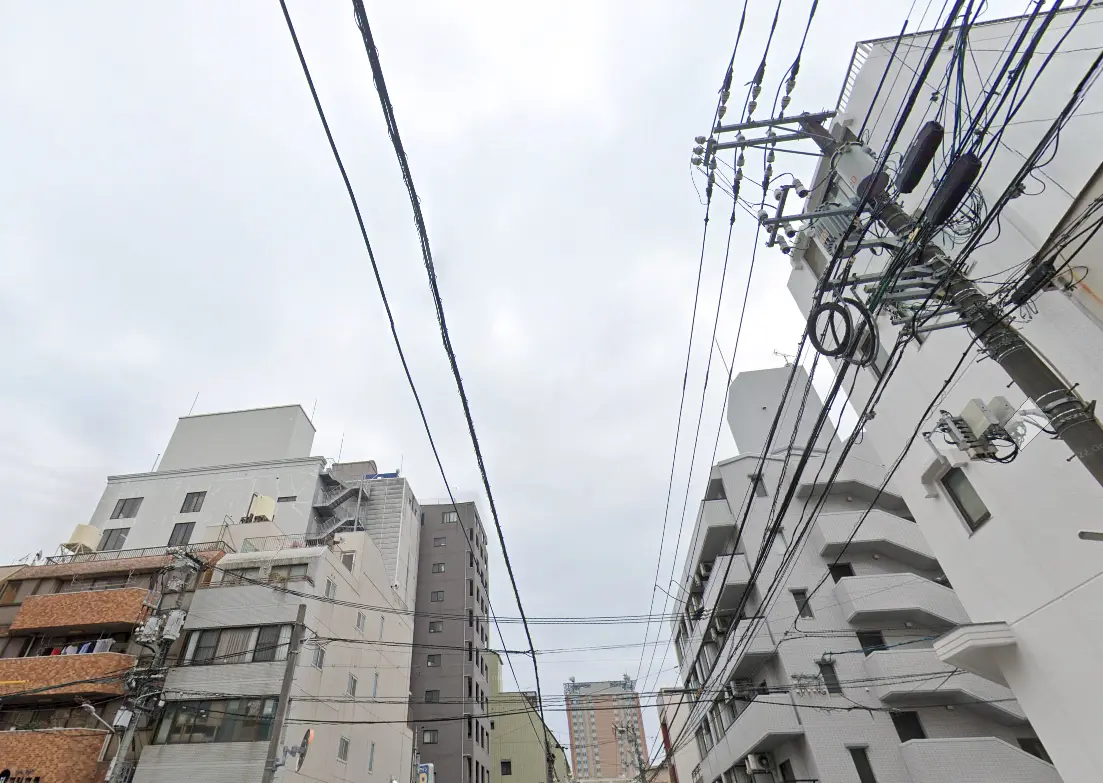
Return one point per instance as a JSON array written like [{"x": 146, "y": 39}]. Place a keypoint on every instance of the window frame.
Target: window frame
[
  {"x": 350, "y": 686},
  {"x": 331, "y": 588},
  {"x": 113, "y": 539},
  {"x": 187, "y": 528},
  {"x": 361, "y": 622},
  {"x": 436, "y": 626},
  {"x": 436, "y": 597},
  {"x": 433, "y": 661},
  {"x": 912, "y": 720},
  {"x": 804, "y": 603},
  {"x": 830, "y": 677},
  {"x": 429, "y": 736},
  {"x": 432, "y": 696},
  {"x": 344, "y": 744},
  {"x": 318, "y": 659},
  {"x": 861, "y": 753},
  {"x": 438, "y": 568},
  {"x": 193, "y": 502},
  {"x": 953, "y": 494},
  {"x": 440, "y": 542},
  {"x": 123, "y": 510},
  {"x": 450, "y": 518}
]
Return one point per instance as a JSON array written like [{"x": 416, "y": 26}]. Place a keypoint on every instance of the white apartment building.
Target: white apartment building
[
  {"x": 839, "y": 683},
  {"x": 300, "y": 534},
  {"x": 1007, "y": 535}
]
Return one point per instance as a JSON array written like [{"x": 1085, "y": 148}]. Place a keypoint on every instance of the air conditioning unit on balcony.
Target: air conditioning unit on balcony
[
  {"x": 723, "y": 625},
  {"x": 759, "y": 762},
  {"x": 704, "y": 570}
]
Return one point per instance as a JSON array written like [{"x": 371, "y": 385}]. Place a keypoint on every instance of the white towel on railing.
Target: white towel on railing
[{"x": 103, "y": 645}]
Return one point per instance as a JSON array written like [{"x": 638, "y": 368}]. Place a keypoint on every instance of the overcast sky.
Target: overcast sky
[{"x": 172, "y": 224}]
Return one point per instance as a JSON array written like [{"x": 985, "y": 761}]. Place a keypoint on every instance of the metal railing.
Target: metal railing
[
  {"x": 278, "y": 543},
  {"x": 89, "y": 586},
  {"x": 126, "y": 554}
]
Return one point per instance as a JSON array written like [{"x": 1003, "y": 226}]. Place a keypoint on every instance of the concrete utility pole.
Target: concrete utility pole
[
  {"x": 1073, "y": 420},
  {"x": 274, "y": 740},
  {"x": 630, "y": 732},
  {"x": 160, "y": 631}
]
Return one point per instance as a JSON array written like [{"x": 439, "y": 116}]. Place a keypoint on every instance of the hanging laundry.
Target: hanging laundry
[{"x": 103, "y": 645}]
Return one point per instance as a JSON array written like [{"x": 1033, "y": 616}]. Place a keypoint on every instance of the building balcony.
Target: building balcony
[
  {"x": 217, "y": 760},
  {"x": 727, "y": 582},
  {"x": 92, "y": 674},
  {"x": 974, "y": 760},
  {"x": 881, "y": 533},
  {"x": 762, "y": 726},
  {"x": 103, "y": 610},
  {"x": 232, "y": 679},
  {"x": 68, "y": 755},
  {"x": 715, "y": 525},
  {"x": 917, "y": 678},
  {"x": 752, "y": 653},
  {"x": 898, "y": 598}
]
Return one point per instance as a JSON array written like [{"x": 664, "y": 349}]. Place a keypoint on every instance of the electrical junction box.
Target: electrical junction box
[
  {"x": 1002, "y": 410},
  {"x": 122, "y": 718},
  {"x": 174, "y": 624},
  {"x": 979, "y": 418}
]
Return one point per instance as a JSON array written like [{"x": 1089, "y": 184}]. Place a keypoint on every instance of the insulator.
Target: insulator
[
  {"x": 724, "y": 96},
  {"x": 740, "y": 161},
  {"x": 770, "y": 133},
  {"x": 700, "y": 139},
  {"x": 769, "y": 174},
  {"x": 770, "y": 156},
  {"x": 738, "y": 175},
  {"x": 789, "y": 85},
  {"x": 721, "y": 111},
  {"x": 798, "y": 186},
  {"x": 777, "y": 194},
  {"x": 755, "y": 90},
  {"x": 751, "y": 107},
  {"x": 695, "y": 160},
  {"x": 698, "y": 150},
  {"x": 740, "y": 138},
  {"x": 763, "y": 216},
  {"x": 785, "y": 101},
  {"x": 712, "y": 163}
]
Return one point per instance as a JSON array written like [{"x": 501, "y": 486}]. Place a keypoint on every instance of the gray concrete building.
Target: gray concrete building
[
  {"x": 450, "y": 675},
  {"x": 831, "y": 682}
]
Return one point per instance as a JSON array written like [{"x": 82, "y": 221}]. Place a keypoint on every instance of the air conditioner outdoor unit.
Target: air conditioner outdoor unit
[
  {"x": 759, "y": 762},
  {"x": 704, "y": 570},
  {"x": 723, "y": 625}
]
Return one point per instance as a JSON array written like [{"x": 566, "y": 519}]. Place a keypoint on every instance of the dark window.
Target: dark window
[
  {"x": 268, "y": 643},
  {"x": 861, "y": 763},
  {"x": 786, "y": 770},
  {"x": 908, "y": 726},
  {"x": 181, "y": 533},
  {"x": 1034, "y": 747},
  {"x": 451, "y": 517},
  {"x": 287, "y": 498},
  {"x": 804, "y": 608},
  {"x": 126, "y": 508},
  {"x": 193, "y": 502},
  {"x": 830, "y": 678},
  {"x": 113, "y": 539},
  {"x": 436, "y": 597},
  {"x": 7, "y": 595},
  {"x": 428, "y": 736},
  {"x": 348, "y": 560},
  {"x": 432, "y": 660},
  {"x": 283, "y": 573},
  {"x": 441, "y": 541},
  {"x": 871, "y": 641},
  {"x": 436, "y": 626},
  {"x": 227, "y": 720},
  {"x": 432, "y": 697},
  {"x": 715, "y": 490},
  {"x": 965, "y": 498},
  {"x": 438, "y": 568},
  {"x": 507, "y": 767},
  {"x": 758, "y": 484},
  {"x": 840, "y": 570}
]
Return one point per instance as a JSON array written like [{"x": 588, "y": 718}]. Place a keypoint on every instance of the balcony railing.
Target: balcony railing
[{"x": 126, "y": 554}]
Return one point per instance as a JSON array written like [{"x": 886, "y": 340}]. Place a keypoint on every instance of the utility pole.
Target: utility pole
[
  {"x": 629, "y": 731},
  {"x": 1070, "y": 417},
  {"x": 159, "y": 632},
  {"x": 294, "y": 644}
]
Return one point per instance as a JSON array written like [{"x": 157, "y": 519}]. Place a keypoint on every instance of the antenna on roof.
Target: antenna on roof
[{"x": 193, "y": 402}]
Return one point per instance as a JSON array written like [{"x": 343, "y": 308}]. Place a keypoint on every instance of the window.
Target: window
[
  {"x": 871, "y": 641},
  {"x": 126, "y": 508},
  {"x": 441, "y": 541},
  {"x": 285, "y": 573},
  {"x": 830, "y": 678},
  {"x": 225, "y": 720},
  {"x": 331, "y": 588},
  {"x": 237, "y": 645},
  {"x": 375, "y": 685},
  {"x": 348, "y": 560},
  {"x": 437, "y": 596},
  {"x": 436, "y": 626},
  {"x": 908, "y": 726},
  {"x": 113, "y": 539},
  {"x": 438, "y": 568},
  {"x": 239, "y": 576},
  {"x": 343, "y": 749},
  {"x": 371, "y": 757},
  {"x": 840, "y": 571},
  {"x": 1034, "y": 747},
  {"x": 715, "y": 490},
  {"x": 786, "y": 770},
  {"x": 206, "y": 642},
  {"x": 7, "y": 595},
  {"x": 272, "y": 643},
  {"x": 451, "y": 517},
  {"x": 181, "y": 533},
  {"x": 193, "y": 503},
  {"x": 433, "y": 660},
  {"x": 965, "y": 498},
  {"x": 287, "y": 498},
  {"x": 351, "y": 688},
  {"x": 319, "y": 657},
  {"x": 361, "y": 619},
  {"x": 861, "y": 763},
  {"x": 758, "y": 484},
  {"x": 804, "y": 608},
  {"x": 428, "y": 736},
  {"x": 432, "y": 697}
]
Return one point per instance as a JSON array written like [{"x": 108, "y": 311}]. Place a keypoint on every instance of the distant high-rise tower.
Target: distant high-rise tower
[{"x": 595, "y": 710}]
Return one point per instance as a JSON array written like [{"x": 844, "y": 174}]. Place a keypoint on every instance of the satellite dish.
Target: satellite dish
[{"x": 308, "y": 738}]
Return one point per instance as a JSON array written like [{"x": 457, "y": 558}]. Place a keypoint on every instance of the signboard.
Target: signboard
[{"x": 425, "y": 773}]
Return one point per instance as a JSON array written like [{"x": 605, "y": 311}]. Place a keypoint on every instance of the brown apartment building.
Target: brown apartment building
[
  {"x": 67, "y": 645},
  {"x": 605, "y": 724}
]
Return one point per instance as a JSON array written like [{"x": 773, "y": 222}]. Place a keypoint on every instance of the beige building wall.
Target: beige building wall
[
  {"x": 517, "y": 750},
  {"x": 594, "y": 709}
]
